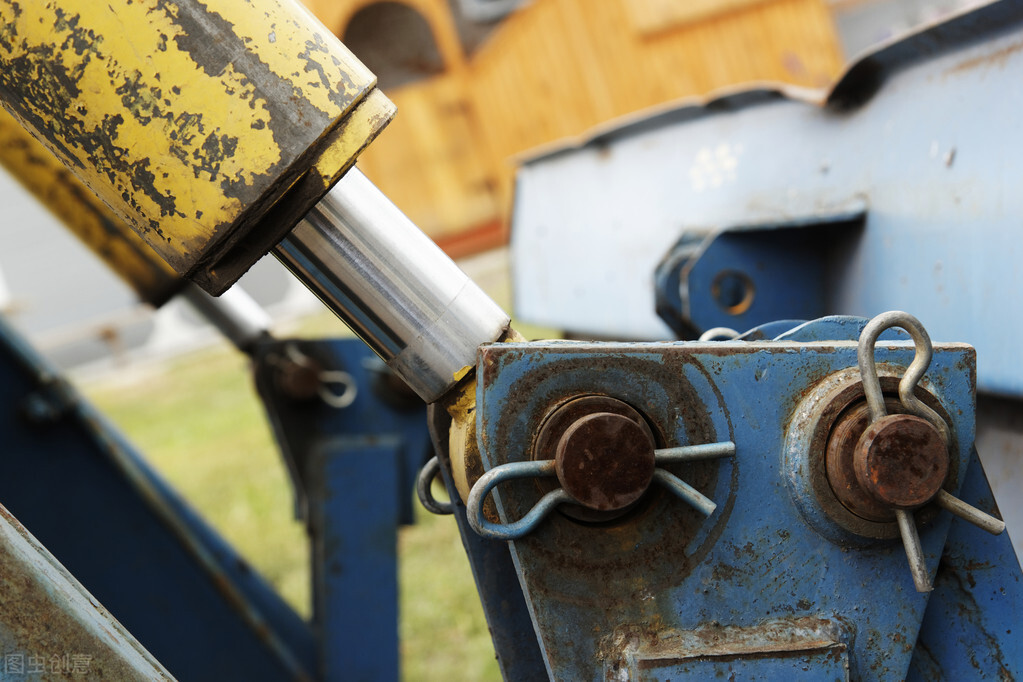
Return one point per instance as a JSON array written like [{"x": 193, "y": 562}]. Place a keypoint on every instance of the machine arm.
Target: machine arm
[{"x": 224, "y": 140}]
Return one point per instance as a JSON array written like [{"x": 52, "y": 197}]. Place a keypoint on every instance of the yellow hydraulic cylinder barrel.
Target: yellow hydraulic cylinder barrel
[
  {"x": 85, "y": 215},
  {"x": 209, "y": 127}
]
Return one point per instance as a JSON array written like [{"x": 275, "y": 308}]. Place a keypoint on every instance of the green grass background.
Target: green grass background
[{"x": 198, "y": 421}]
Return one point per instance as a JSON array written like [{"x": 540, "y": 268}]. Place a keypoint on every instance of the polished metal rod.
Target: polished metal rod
[
  {"x": 969, "y": 513},
  {"x": 234, "y": 313},
  {"x": 914, "y": 551},
  {"x": 392, "y": 285}
]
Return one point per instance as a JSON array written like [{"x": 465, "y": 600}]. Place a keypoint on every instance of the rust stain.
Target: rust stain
[
  {"x": 580, "y": 560},
  {"x": 902, "y": 460},
  {"x": 654, "y": 647},
  {"x": 584, "y": 473},
  {"x": 996, "y": 59}
]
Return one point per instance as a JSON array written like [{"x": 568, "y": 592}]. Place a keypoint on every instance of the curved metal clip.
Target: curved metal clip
[
  {"x": 525, "y": 525},
  {"x": 506, "y": 472},
  {"x": 690, "y": 453},
  {"x": 915, "y": 372},
  {"x": 907, "y": 386},
  {"x": 424, "y": 481},
  {"x": 349, "y": 390}
]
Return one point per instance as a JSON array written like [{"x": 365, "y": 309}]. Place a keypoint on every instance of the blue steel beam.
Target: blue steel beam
[
  {"x": 82, "y": 490},
  {"x": 353, "y": 467},
  {"x": 917, "y": 136}
]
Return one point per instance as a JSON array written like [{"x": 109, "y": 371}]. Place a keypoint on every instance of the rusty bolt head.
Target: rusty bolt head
[
  {"x": 901, "y": 460},
  {"x": 605, "y": 461}
]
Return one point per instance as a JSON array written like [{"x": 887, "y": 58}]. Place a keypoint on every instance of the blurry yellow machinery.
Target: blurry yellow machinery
[{"x": 85, "y": 215}]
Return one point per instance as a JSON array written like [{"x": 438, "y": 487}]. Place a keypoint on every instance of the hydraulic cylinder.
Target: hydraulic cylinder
[
  {"x": 235, "y": 314},
  {"x": 212, "y": 129},
  {"x": 88, "y": 218}
]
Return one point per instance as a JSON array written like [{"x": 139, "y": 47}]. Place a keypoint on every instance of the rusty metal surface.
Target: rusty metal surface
[
  {"x": 799, "y": 648},
  {"x": 971, "y": 626},
  {"x": 902, "y": 461},
  {"x": 605, "y": 461},
  {"x": 52, "y": 628},
  {"x": 841, "y": 474},
  {"x": 558, "y": 421},
  {"x": 821, "y": 408},
  {"x": 663, "y": 566}
]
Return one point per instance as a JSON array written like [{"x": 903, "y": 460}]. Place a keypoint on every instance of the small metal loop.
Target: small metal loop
[
  {"x": 293, "y": 354},
  {"x": 500, "y": 474},
  {"x": 337, "y": 400},
  {"x": 719, "y": 334},
  {"x": 686, "y": 492},
  {"x": 424, "y": 483},
  {"x": 915, "y": 372}
]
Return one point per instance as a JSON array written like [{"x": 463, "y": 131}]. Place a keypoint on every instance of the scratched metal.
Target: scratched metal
[
  {"x": 88, "y": 495},
  {"x": 920, "y": 133},
  {"x": 804, "y": 648},
  {"x": 757, "y": 557},
  {"x": 48, "y": 618},
  {"x": 971, "y": 629},
  {"x": 197, "y": 123}
]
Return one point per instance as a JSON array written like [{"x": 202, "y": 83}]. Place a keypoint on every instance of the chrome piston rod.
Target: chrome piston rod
[
  {"x": 392, "y": 285},
  {"x": 234, "y": 313}
]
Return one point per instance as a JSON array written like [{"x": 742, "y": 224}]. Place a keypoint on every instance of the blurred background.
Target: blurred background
[{"x": 479, "y": 84}]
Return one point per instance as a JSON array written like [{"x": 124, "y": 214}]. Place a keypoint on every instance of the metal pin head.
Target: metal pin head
[
  {"x": 901, "y": 460},
  {"x": 605, "y": 461}
]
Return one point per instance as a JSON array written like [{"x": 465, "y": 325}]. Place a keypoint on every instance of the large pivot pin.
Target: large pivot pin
[
  {"x": 605, "y": 461},
  {"x": 899, "y": 462},
  {"x": 599, "y": 457}
]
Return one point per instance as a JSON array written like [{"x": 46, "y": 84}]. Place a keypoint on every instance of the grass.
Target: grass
[{"x": 199, "y": 422}]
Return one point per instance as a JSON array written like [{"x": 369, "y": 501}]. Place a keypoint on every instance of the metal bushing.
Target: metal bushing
[
  {"x": 899, "y": 462},
  {"x": 841, "y": 470}
]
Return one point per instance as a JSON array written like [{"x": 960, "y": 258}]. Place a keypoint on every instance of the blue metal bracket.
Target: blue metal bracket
[
  {"x": 508, "y": 618},
  {"x": 742, "y": 277},
  {"x": 183, "y": 592},
  {"x": 606, "y": 597},
  {"x": 354, "y": 459},
  {"x": 85, "y": 493},
  {"x": 917, "y": 134}
]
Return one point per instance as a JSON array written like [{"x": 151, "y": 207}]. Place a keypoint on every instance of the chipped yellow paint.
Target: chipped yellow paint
[
  {"x": 85, "y": 215},
  {"x": 463, "y": 448},
  {"x": 462, "y": 373},
  {"x": 361, "y": 128},
  {"x": 191, "y": 120}
]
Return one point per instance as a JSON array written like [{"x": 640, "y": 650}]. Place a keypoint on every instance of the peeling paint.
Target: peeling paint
[{"x": 174, "y": 110}]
